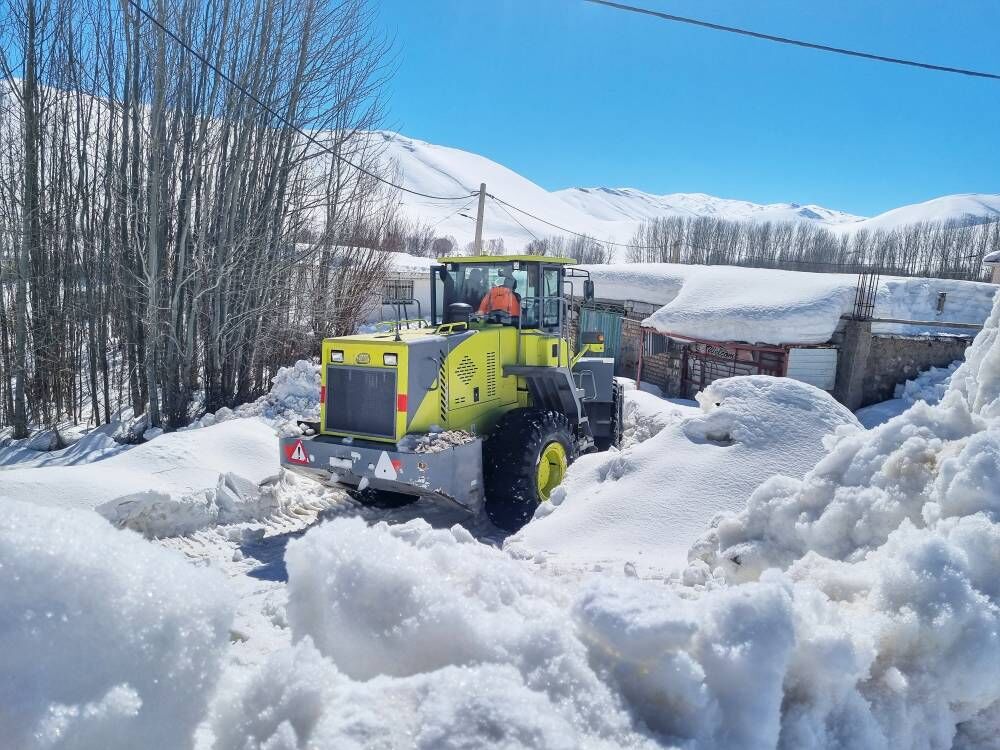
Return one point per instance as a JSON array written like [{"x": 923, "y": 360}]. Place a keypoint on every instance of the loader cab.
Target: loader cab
[{"x": 459, "y": 286}]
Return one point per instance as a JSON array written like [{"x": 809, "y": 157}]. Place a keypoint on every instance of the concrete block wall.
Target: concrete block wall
[{"x": 894, "y": 359}]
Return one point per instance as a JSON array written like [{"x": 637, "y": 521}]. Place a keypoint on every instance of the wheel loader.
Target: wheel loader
[{"x": 482, "y": 407}]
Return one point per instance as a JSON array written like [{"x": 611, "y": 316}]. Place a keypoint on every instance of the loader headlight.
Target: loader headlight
[
  {"x": 389, "y": 360},
  {"x": 336, "y": 356}
]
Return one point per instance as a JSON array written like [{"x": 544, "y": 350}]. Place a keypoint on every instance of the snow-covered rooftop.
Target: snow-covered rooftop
[{"x": 758, "y": 305}]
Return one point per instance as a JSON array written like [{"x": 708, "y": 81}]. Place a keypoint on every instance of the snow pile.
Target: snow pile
[
  {"x": 649, "y": 502},
  {"x": 105, "y": 640},
  {"x": 94, "y": 445},
  {"x": 929, "y": 386},
  {"x": 897, "y": 530},
  {"x": 435, "y": 442},
  {"x": 726, "y": 303},
  {"x": 645, "y": 414},
  {"x": 730, "y": 303},
  {"x": 158, "y": 513},
  {"x": 293, "y": 398},
  {"x": 470, "y": 649},
  {"x": 171, "y": 485}
]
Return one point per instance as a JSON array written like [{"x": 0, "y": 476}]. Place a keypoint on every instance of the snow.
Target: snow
[
  {"x": 855, "y": 607},
  {"x": 293, "y": 398},
  {"x": 612, "y": 213},
  {"x": 473, "y": 652},
  {"x": 169, "y": 485},
  {"x": 96, "y": 444},
  {"x": 106, "y": 641},
  {"x": 756, "y": 305},
  {"x": 648, "y": 503},
  {"x": 852, "y": 602},
  {"x": 929, "y": 386},
  {"x": 962, "y": 209}
]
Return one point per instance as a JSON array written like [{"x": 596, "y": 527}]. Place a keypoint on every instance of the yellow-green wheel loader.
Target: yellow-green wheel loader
[{"x": 484, "y": 406}]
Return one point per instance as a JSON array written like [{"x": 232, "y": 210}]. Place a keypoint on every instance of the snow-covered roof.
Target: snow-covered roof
[
  {"x": 730, "y": 303},
  {"x": 992, "y": 258}
]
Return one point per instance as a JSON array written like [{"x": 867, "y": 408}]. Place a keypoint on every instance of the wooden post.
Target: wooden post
[{"x": 479, "y": 219}]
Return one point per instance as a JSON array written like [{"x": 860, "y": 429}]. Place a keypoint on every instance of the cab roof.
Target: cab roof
[{"x": 489, "y": 259}]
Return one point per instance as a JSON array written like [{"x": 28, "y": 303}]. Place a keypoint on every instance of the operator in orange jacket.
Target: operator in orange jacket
[{"x": 502, "y": 299}]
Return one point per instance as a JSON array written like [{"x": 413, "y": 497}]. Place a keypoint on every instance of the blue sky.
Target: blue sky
[{"x": 572, "y": 94}]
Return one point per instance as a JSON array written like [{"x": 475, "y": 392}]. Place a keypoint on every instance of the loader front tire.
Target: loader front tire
[{"x": 524, "y": 459}]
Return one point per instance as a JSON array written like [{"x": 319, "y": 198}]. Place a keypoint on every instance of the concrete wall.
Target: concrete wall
[
  {"x": 871, "y": 366},
  {"x": 894, "y": 359}
]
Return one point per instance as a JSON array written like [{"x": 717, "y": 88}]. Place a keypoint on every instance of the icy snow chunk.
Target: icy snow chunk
[
  {"x": 105, "y": 640},
  {"x": 156, "y": 513}
]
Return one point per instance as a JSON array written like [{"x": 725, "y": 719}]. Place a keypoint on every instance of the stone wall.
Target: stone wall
[{"x": 895, "y": 359}]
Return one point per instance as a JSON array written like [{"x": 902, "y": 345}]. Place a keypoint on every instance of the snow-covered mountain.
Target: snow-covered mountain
[{"x": 611, "y": 213}]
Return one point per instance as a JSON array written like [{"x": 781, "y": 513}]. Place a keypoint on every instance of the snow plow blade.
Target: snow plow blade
[{"x": 452, "y": 475}]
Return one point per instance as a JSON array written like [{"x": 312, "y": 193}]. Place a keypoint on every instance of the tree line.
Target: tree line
[
  {"x": 941, "y": 250},
  {"x": 165, "y": 238}
]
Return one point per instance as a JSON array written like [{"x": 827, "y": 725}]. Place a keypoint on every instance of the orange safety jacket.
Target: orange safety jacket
[{"x": 500, "y": 298}]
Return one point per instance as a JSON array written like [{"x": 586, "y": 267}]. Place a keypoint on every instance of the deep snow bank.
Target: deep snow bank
[
  {"x": 165, "y": 485},
  {"x": 106, "y": 641},
  {"x": 649, "y": 502},
  {"x": 469, "y": 648},
  {"x": 731, "y": 303},
  {"x": 897, "y": 531}
]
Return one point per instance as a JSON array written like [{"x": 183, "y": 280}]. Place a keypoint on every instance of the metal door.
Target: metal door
[{"x": 608, "y": 323}]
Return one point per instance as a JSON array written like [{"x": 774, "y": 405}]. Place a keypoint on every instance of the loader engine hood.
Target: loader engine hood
[{"x": 374, "y": 386}]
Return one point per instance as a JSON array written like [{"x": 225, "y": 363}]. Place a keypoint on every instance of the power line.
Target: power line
[
  {"x": 794, "y": 42},
  {"x": 453, "y": 213},
  {"x": 504, "y": 209},
  {"x": 282, "y": 119},
  {"x": 561, "y": 229}
]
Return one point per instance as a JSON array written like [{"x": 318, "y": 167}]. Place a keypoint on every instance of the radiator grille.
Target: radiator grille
[{"x": 361, "y": 400}]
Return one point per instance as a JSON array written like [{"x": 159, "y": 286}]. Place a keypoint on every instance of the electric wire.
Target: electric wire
[
  {"x": 794, "y": 42},
  {"x": 504, "y": 209},
  {"x": 563, "y": 229},
  {"x": 204, "y": 61}
]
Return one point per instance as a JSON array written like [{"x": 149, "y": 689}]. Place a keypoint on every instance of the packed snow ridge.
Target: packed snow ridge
[{"x": 615, "y": 213}]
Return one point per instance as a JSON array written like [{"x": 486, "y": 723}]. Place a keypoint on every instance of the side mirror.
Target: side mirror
[{"x": 588, "y": 290}]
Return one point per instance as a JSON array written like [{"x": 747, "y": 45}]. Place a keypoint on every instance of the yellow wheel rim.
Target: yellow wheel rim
[{"x": 551, "y": 468}]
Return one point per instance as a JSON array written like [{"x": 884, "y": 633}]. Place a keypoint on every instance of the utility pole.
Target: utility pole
[{"x": 479, "y": 218}]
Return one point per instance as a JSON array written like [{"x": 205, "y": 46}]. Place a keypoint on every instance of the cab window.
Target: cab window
[{"x": 551, "y": 298}]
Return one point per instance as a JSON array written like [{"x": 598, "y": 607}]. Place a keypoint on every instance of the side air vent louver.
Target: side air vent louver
[
  {"x": 491, "y": 375},
  {"x": 466, "y": 370}
]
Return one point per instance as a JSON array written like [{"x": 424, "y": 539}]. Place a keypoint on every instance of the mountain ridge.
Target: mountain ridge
[{"x": 613, "y": 214}]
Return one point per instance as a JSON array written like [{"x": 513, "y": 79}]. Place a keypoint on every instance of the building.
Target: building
[{"x": 682, "y": 327}]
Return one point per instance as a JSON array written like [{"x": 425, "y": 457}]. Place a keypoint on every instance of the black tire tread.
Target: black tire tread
[{"x": 510, "y": 457}]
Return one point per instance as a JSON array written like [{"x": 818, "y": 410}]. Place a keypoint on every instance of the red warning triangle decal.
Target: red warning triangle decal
[{"x": 296, "y": 453}]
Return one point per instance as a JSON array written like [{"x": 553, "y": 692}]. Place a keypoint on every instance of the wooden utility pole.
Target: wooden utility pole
[{"x": 479, "y": 218}]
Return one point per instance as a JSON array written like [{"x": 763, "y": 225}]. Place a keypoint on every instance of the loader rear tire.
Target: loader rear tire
[{"x": 524, "y": 459}]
